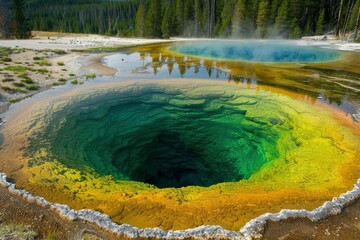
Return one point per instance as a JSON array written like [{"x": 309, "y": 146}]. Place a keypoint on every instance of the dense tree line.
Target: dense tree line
[
  {"x": 197, "y": 18},
  {"x": 13, "y": 21},
  {"x": 246, "y": 18},
  {"x": 84, "y": 16}
]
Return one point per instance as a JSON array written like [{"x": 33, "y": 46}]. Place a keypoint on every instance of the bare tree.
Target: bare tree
[{"x": 337, "y": 32}]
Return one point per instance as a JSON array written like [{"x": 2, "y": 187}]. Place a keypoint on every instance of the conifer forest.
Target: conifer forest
[{"x": 184, "y": 18}]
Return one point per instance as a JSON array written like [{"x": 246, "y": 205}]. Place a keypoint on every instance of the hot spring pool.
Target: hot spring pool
[
  {"x": 257, "y": 51},
  {"x": 165, "y": 137},
  {"x": 158, "y": 153}
]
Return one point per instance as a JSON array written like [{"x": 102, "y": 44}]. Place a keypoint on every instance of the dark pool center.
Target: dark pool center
[{"x": 162, "y": 136}]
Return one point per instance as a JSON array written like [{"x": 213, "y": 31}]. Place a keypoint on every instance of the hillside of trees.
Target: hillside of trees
[
  {"x": 245, "y": 18},
  {"x": 196, "y": 18},
  {"x": 84, "y": 16}
]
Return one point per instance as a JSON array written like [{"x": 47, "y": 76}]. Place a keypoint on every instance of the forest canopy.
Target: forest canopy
[{"x": 195, "y": 18}]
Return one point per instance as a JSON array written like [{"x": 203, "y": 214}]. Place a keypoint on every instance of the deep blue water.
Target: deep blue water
[{"x": 257, "y": 51}]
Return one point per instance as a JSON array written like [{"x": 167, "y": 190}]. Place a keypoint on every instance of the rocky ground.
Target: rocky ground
[
  {"x": 24, "y": 72},
  {"x": 66, "y": 41},
  {"x": 344, "y": 226},
  {"x": 22, "y": 220}
]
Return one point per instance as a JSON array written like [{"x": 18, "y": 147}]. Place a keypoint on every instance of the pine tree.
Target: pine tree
[
  {"x": 219, "y": 6},
  {"x": 188, "y": 11},
  {"x": 353, "y": 16},
  {"x": 166, "y": 23},
  {"x": 281, "y": 21},
  {"x": 174, "y": 27},
  {"x": 226, "y": 14},
  {"x": 21, "y": 27},
  {"x": 262, "y": 18},
  {"x": 197, "y": 17},
  {"x": 180, "y": 16},
  {"x": 294, "y": 9},
  {"x": 357, "y": 25},
  {"x": 308, "y": 30},
  {"x": 252, "y": 12},
  {"x": 320, "y": 23},
  {"x": 295, "y": 29},
  {"x": 140, "y": 21},
  {"x": 239, "y": 20},
  {"x": 206, "y": 17},
  {"x": 189, "y": 28},
  {"x": 274, "y": 9},
  {"x": 153, "y": 20}
]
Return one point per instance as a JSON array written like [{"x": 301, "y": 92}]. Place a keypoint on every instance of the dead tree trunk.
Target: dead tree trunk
[{"x": 339, "y": 18}]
